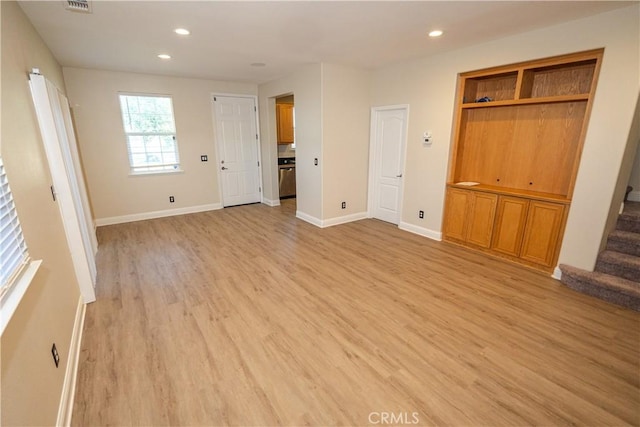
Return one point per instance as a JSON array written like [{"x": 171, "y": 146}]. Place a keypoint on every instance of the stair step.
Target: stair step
[
  {"x": 619, "y": 264},
  {"x": 624, "y": 241},
  {"x": 604, "y": 286},
  {"x": 632, "y": 209},
  {"x": 628, "y": 223},
  {"x": 629, "y": 219}
]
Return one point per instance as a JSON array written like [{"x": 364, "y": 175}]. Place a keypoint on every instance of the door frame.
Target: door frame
[
  {"x": 69, "y": 206},
  {"x": 374, "y": 154},
  {"x": 215, "y": 139}
]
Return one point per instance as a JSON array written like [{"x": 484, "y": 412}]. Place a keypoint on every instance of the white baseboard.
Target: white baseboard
[
  {"x": 331, "y": 221},
  {"x": 634, "y": 196},
  {"x": 557, "y": 273},
  {"x": 65, "y": 409},
  {"x": 308, "y": 218},
  {"x": 270, "y": 202},
  {"x": 157, "y": 214},
  {"x": 425, "y": 232},
  {"x": 343, "y": 219}
]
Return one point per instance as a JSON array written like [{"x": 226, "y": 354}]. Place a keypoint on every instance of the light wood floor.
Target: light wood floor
[{"x": 248, "y": 316}]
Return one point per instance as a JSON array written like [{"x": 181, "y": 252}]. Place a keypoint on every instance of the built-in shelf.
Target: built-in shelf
[
  {"x": 519, "y": 134},
  {"x": 528, "y": 101},
  {"x": 548, "y": 197}
]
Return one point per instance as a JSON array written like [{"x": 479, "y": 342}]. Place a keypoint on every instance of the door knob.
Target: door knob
[
  {"x": 224, "y": 168},
  {"x": 399, "y": 176}
]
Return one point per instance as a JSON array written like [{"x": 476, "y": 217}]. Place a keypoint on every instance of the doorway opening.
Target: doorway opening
[{"x": 286, "y": 144}]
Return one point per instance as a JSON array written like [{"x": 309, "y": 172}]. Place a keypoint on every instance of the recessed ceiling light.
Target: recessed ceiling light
[
  {"x": 164, "y": 56},
  {"x": 182, "y": 31},
  {"x": 258, "y": 64},
  {"x": 435, "y": 33}
]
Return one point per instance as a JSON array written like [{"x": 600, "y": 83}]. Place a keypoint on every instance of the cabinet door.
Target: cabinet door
[
  {"x": 541, "y": 234},
  {"x": 482, "y": 213},
  {"x": 456, "y": 213},
  {"x": 284, "y": 116},
  {"x": 510, "y": 222}
]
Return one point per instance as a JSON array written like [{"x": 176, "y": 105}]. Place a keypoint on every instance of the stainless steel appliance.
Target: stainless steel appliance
[{"x": 287, "y": 177}]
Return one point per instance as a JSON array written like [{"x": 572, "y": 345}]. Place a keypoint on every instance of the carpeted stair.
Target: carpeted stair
[{"x": 617, "y": 273}]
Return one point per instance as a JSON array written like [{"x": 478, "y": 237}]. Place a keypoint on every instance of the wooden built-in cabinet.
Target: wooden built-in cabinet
[
  {"x": 519, "y": 134},
  {"x": 284, "y": 118},
  {"x": 472, "y": 216}
]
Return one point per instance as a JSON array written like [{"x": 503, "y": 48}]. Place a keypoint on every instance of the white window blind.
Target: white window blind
[
  {"x": 151, "y": 133},
  {"x": 13, "y": 250}
]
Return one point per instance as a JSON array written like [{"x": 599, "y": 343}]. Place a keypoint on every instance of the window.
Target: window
[
  {"x": 13, "y": 250},
  {"x": 151, "y": 133},
  {"x": 16, "y": 268}
]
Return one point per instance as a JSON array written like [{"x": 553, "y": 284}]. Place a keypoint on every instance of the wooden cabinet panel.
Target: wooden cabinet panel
[
  {"x": 544, "y": 222},
  {"x": 522, "y": 146},
  {"x": 456, "y": 213},
  {"x": 284, "y": 117},
  {"x": 510, "y": 221},
  {"x": 482, "y": 213}
]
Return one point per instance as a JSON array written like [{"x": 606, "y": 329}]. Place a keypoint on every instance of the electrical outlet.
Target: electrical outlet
[
  {"x": 56, "y": 356},
  {"x": 171, "y": 199},
  {"x": 204, "y": 158},
  {"x": 315, "y": 161},
  {"x": 344, "y": 205},
  {"x": 421, "y": 214}
]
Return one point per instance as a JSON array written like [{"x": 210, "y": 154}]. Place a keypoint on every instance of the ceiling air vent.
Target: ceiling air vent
[{"x": 83, "y": 6}]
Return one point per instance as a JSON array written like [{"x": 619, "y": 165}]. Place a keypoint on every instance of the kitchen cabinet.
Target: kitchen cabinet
[
  {"x": 284, "y": 118},
  {"x": 519, "y": 132}
]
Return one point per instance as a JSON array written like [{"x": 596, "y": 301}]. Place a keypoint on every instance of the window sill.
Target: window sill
[
  {"x": 11, "y": 301},
  {"x": 176, "y": 171}
]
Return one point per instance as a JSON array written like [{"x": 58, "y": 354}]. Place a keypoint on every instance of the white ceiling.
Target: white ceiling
[{"x": 227, "y": 36}]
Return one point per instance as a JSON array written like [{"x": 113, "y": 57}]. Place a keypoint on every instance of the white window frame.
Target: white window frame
[
  {"x": 15, "y": 277},
  {"x": 163, "y": 168}
]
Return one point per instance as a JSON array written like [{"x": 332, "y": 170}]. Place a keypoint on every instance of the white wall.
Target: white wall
[
  {"x": 93, "y": 95},
  {"x": 305, "y": 85},
  {"x": 31, "y": 385},
  {"x": 429, "y": 85},
  {"x": 345, "y": 142}
]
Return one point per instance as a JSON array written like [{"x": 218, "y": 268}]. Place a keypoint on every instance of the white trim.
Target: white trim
[
  {"x": 45, "y": 98},
  {"x": 157, "y": 214},
  {"x": 65, "y": 409},
  {"x": 153, "y": 173},
  {"x": 634, "y": 196},
  {"x": 425, "y": 232},
  {"x": 343, "y": 219},
  {"x": 557, "y": 273},
  {"x": 308, "y": 218},
  {"x": 373, "y": 153},
  {"x": 331, "y": 221},
  {"x": 12, "y": 299},
  {"x": 270, "y": 202}
]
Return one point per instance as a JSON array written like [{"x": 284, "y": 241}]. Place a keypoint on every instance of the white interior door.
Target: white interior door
[
  {"x": 238, "y": 150},
  {"x": 52, "y": 110},
  {"x": 388, "y": 134}
]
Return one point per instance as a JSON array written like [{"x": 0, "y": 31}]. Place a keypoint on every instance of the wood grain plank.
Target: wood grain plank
[{"x": 248, "y": 316}]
